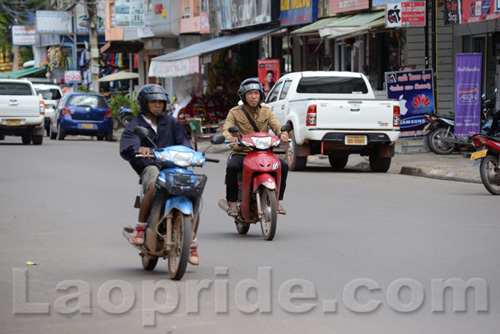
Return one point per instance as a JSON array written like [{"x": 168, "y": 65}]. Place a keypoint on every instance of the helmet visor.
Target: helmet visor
[
  {"x": 156, "y": 96},
  {"x": 252, "y": 86}
]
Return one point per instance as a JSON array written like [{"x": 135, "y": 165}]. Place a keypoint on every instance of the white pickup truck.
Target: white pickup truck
[
  {"x": 21, "y": 111},
  {"x": 335, "y": 114}
]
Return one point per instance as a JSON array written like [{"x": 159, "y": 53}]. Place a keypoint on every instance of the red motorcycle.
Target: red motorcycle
[
  {"x": 258, "y": 184},
  {"x": 487, "y": 152}
]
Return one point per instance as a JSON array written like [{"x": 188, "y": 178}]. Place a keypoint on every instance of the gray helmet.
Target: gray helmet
[
  {"x": 251, "y": 84},
  {"x": 151, "y": 92}
]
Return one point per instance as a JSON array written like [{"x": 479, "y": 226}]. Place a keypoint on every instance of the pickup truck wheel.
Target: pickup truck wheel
[
  {"x": 338, "y": 162},
  {"x": 38, "y": 140},
  {"x": 379, "y": 164},
  {"x": 2, "y": 136},
  {"x": 26, "y": 139},
  {"x": 60, "y": 134},
  {"x": 295, "y": 163}
]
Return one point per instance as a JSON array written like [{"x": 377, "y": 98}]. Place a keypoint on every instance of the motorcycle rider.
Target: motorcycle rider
[
  {"x": 164, "y": 131},
  {"x": 252, "y": 95}
]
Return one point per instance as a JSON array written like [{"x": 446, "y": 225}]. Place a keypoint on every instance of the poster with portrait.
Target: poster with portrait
[{"x": 269, "y": 73}]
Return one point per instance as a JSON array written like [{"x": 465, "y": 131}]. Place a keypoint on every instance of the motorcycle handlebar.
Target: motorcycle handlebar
[
  {"x": 212, "y": 160},
  {"x": 150, "y": 156}
]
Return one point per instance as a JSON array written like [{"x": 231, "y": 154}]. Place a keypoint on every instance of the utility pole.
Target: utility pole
[
  {"x": 93, "y": 41},
  {"x": 213, "y": 19}
]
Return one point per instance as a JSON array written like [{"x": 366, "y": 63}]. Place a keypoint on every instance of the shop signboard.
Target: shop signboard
[
  {"x": 128, "y": 13},
  {"x": 470, "y": 11},
  {"x": 342, "y": 6},
  {"x": 72, "y": 76},
  {"x": 54, "y": 22},
  {"x": 414, "y": 90},
  {"x": 298, "y": 12},
  {"x": 23, "y": 35},
  {"x": 269, "y": 72},
  {"x": 467, "y": 93},
  {"x": 82, "y": 19},
  {"x": 242, "y": 13},
  {"x": 405, "y": 14}
]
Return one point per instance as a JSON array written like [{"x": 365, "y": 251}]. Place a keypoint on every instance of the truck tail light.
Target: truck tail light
[
  {"x": 311, "y": 115},
  {"x": 396, "y": 118},
  {"x": 108, "y": 114},
  {"x": 42, "y": 108},
  {"x": 65, "y": 111}
]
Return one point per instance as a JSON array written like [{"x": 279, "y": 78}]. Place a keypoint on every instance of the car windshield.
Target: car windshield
[
  {"x": 49, "y": 94},
  {"x": 92, "y": 101},
  {"x": 332, "y": 85}
]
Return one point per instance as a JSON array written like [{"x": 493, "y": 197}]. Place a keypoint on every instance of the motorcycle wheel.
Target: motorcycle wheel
[
  {"x": 179, "y": 254},
  {"x": 270, "y": 213},
  {"x": 125, "y": 120},
  {"x": 489, "y": 177},
  {"x": 438, "y": 146},
  {"x": 242, "y": 228},
  {"x": 149, "y": 263}
]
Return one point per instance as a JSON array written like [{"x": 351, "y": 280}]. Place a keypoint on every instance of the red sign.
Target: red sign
[
  {"x": 158, "y": 8},
  {"x": 413, "y": 14},
  {"x": 269, "y": 73},
  {"x": 72, "y": 76}
]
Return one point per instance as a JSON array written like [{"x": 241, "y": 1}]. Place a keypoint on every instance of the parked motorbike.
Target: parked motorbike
[
  {"x": 440, "y": 129},
  {"x": 258, "y": 184},
  {"x": 487, "y": 154},
  {"x": 125, "y": 115},
  {"x": 176, "y": 207}
]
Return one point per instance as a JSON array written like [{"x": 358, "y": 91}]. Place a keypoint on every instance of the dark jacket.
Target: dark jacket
[{"x": 169, "y": 132}]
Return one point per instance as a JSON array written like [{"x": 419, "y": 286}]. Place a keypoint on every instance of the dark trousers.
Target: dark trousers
[{"x": 235, "y": 165}]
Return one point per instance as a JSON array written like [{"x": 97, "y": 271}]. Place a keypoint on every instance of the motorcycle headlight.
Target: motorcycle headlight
[
  {"x": 246, "y": 143},
  {"x": 181, "y": 159},
  {"x": 277, "y": 143},
  {"x": 199, "y": 162},
  {"x": 262, "y": 142}
]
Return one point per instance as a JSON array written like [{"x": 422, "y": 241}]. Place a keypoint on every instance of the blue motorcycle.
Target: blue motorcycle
[{"x": 175, "y": 212}]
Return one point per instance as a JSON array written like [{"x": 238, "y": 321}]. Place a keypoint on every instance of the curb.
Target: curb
[{"x": 440, "y": 174}]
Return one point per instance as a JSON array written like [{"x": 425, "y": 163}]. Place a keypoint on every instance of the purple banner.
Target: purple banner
[
  {"x": 467, "y": 94},
  {"x": 414, "y": 91}
]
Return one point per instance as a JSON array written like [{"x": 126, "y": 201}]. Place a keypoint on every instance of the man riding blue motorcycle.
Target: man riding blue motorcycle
[{"x": 163, "y": 131}]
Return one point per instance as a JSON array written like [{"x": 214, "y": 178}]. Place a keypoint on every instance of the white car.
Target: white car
[{"x": 51, "y": 94}]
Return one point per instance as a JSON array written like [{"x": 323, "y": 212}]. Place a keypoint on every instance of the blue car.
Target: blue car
[{"x": 82, "y": 114}]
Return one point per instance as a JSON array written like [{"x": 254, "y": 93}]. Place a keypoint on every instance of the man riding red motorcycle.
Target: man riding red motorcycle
[{"x": 250, "y": 118}]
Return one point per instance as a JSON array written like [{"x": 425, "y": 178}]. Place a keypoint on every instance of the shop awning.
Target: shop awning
[
  {"x": 350, "y": 23},
  {"x": 313, "y": 28},
  {"x": 22, "y": 73},
  {"x": 362, "y": 29},
  {"x": 186, "y": 61},
  {"x": 122, "y": 47}
]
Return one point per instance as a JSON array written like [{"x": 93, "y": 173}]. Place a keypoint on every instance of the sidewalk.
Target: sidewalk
[{"x": 411, "y": 158}]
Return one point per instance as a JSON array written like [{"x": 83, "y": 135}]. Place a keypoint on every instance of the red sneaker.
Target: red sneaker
[
  {"x": 138, "y": 236},
  {"x": 194, "y": 259}
]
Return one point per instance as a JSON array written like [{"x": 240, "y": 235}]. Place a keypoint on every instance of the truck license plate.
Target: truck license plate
[
  {"x": 478, "y": 154},
  {"x": 355, "y": 140},
  {"x": 87, "y": 126},
  {"x": 13, "y": 122}
]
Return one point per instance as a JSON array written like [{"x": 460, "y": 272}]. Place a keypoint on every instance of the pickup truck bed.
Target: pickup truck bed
[{"x": 335, "y": 114}]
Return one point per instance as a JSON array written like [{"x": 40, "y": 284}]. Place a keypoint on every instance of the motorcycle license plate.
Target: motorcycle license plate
[
  {"x": 355, "y": 140},
  {"x": 13, "y": 122},
  {"x": 87, "y": 126},
  {"x": 478, "y": 154}
]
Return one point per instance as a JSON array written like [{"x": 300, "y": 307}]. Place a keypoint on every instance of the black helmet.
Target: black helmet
[
  {"x": 250, "y": 84},
  {"x": 151, "y": 92}
]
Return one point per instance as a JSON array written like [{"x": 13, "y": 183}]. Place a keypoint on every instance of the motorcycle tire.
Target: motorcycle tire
[
  {"x": 270, "y": 213},
  {"x": 125, "y": 120},
  {"x": 438, "y": 146},
  {"x": 489, "y": 177},
  {"x": 179, "y": 254}
]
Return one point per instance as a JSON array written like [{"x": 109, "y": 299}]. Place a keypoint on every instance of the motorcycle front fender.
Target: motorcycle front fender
[
  {"x": 181, "y": 203},
  {"x": 265, "y": 180}
]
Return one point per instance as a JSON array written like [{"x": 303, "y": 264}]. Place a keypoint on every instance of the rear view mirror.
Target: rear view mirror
[
  {"x": 286, "y": 127},
  {"x": 141, "y": 131},
  {"x": 234, "y": 129},
  {"x": 217, "y": 139}
]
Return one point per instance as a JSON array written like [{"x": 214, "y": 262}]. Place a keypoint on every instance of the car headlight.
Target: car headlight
[
  {"x": 181, "y": 159},
  {"x": 262, "y": 142}
]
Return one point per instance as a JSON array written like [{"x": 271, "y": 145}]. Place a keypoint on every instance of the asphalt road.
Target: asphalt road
[{"x": 357, "y": 252}]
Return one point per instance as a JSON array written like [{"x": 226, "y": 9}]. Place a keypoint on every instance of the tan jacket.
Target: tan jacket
[{"x": 263, "y": 118}]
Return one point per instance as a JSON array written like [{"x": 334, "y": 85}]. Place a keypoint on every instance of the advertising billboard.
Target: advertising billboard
[{"x": 414, "y": 90}]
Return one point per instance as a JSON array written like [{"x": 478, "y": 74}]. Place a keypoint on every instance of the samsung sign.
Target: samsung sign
[{"x": 298, "y": 12}]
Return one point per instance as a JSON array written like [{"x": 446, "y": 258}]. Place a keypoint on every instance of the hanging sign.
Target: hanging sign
[
  {"x": 405, "y": 14},
  {"x": 467, "y": 94},
  {"x": 269, "y": 73}
]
